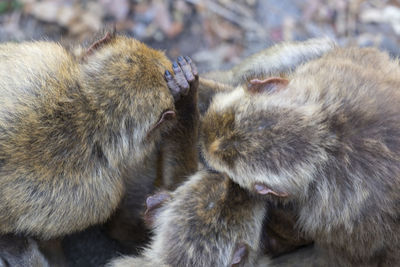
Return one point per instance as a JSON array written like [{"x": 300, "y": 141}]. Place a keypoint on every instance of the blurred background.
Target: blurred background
[{"x": 216, "y": 33}]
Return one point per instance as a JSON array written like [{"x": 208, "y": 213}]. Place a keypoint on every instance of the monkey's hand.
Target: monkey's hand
[
  {"x": 184, "y": 86},
  {"x": 186, "y": 81}
]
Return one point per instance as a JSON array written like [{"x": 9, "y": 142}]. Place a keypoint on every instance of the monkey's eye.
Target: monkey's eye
[{"x": 167, "y": 115}]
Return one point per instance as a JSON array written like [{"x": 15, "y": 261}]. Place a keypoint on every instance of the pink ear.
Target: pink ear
[
  {"x": 264, "y": 190},
  {"x": 96, "y": 45},
  {"x": 269, "y": 85}
]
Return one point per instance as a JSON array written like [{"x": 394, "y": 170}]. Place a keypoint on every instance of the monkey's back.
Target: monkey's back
[
  {"x": 354, "y": 93},
  {"x": 32, "y": 71},
  {"x": 33, "y": 76},
  {"x": 45, "y": 164}
]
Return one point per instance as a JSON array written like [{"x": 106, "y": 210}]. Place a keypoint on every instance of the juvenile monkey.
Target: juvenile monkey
[
  {"x": 326, "y": 140},
  {"x": 279, "y": 60},
  {"x": 68, "y": 127},
  {"x": 191, "y": 230}
]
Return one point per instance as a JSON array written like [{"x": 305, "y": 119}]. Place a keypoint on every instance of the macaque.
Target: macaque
[{"x": 323, "y": 139}]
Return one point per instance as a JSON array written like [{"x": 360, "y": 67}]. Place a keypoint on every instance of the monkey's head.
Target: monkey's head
[
  {"x": 263, "y": 139},
  {"x": 126, "y": 82}
]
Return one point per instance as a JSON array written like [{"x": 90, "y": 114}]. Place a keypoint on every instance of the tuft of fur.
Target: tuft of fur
[
  {"x": 68, "y": 127},
  {"x": 329, "y": 140}
]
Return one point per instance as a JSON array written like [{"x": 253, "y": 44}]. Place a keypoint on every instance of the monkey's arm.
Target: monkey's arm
[
  {"x": 210, "y": 221},
  {"x": 178, "y": 153}
]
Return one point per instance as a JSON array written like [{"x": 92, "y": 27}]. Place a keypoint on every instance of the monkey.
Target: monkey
[
  {"x": 125, "y": 232},
  {"x": 70, "y": 126},
  {"x": 323, "y": 139},
  {"x": 278, "y": 60},
  {"x": 218, "y": 235}
]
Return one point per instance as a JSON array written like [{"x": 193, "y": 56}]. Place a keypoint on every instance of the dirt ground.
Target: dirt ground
[{"x": 216, "y": 33}]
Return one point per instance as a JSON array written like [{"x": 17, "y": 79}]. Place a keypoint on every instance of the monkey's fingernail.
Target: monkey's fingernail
[
  {"x": 180, "y": 58},
  {"x": 168, "y": 74},
  {"x": 239, "y": 254},
  {"x": 192, "y": 65},
  {"x": 175, "y": 65}
]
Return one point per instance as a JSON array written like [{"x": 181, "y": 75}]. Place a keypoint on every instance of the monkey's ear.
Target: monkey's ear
[
  {"x": 99, "y": 43},
  {"x": 269, "y": 85},
  {"x": 240, "y": 253},
  {"x": 262, "y": 189},
  {"x": 153, "y": 205}
]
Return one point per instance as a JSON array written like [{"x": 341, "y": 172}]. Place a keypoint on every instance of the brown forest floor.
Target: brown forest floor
[{"x": 216, "y": 33}]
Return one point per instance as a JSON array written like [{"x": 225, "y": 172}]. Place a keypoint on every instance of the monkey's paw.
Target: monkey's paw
[{"x": 186, "y": 80}]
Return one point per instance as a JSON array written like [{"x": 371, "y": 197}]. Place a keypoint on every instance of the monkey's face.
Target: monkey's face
[
  {"x": 130, "y": 88},
  {"x": 263, "y": 141}
]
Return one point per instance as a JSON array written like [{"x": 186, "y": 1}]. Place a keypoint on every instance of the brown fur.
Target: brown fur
[
  {"x": 282, "y": 58},
  {"x": 166, "y": 167},
  {"x": 280, "y": 235},
  {"x": 278, "y": 60},
  {"x": 171, "y": 162},
  {"x": 328, "y": 141},
  {"x": 192, "y": 230},
  {"x": 69, "y": 127}
]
